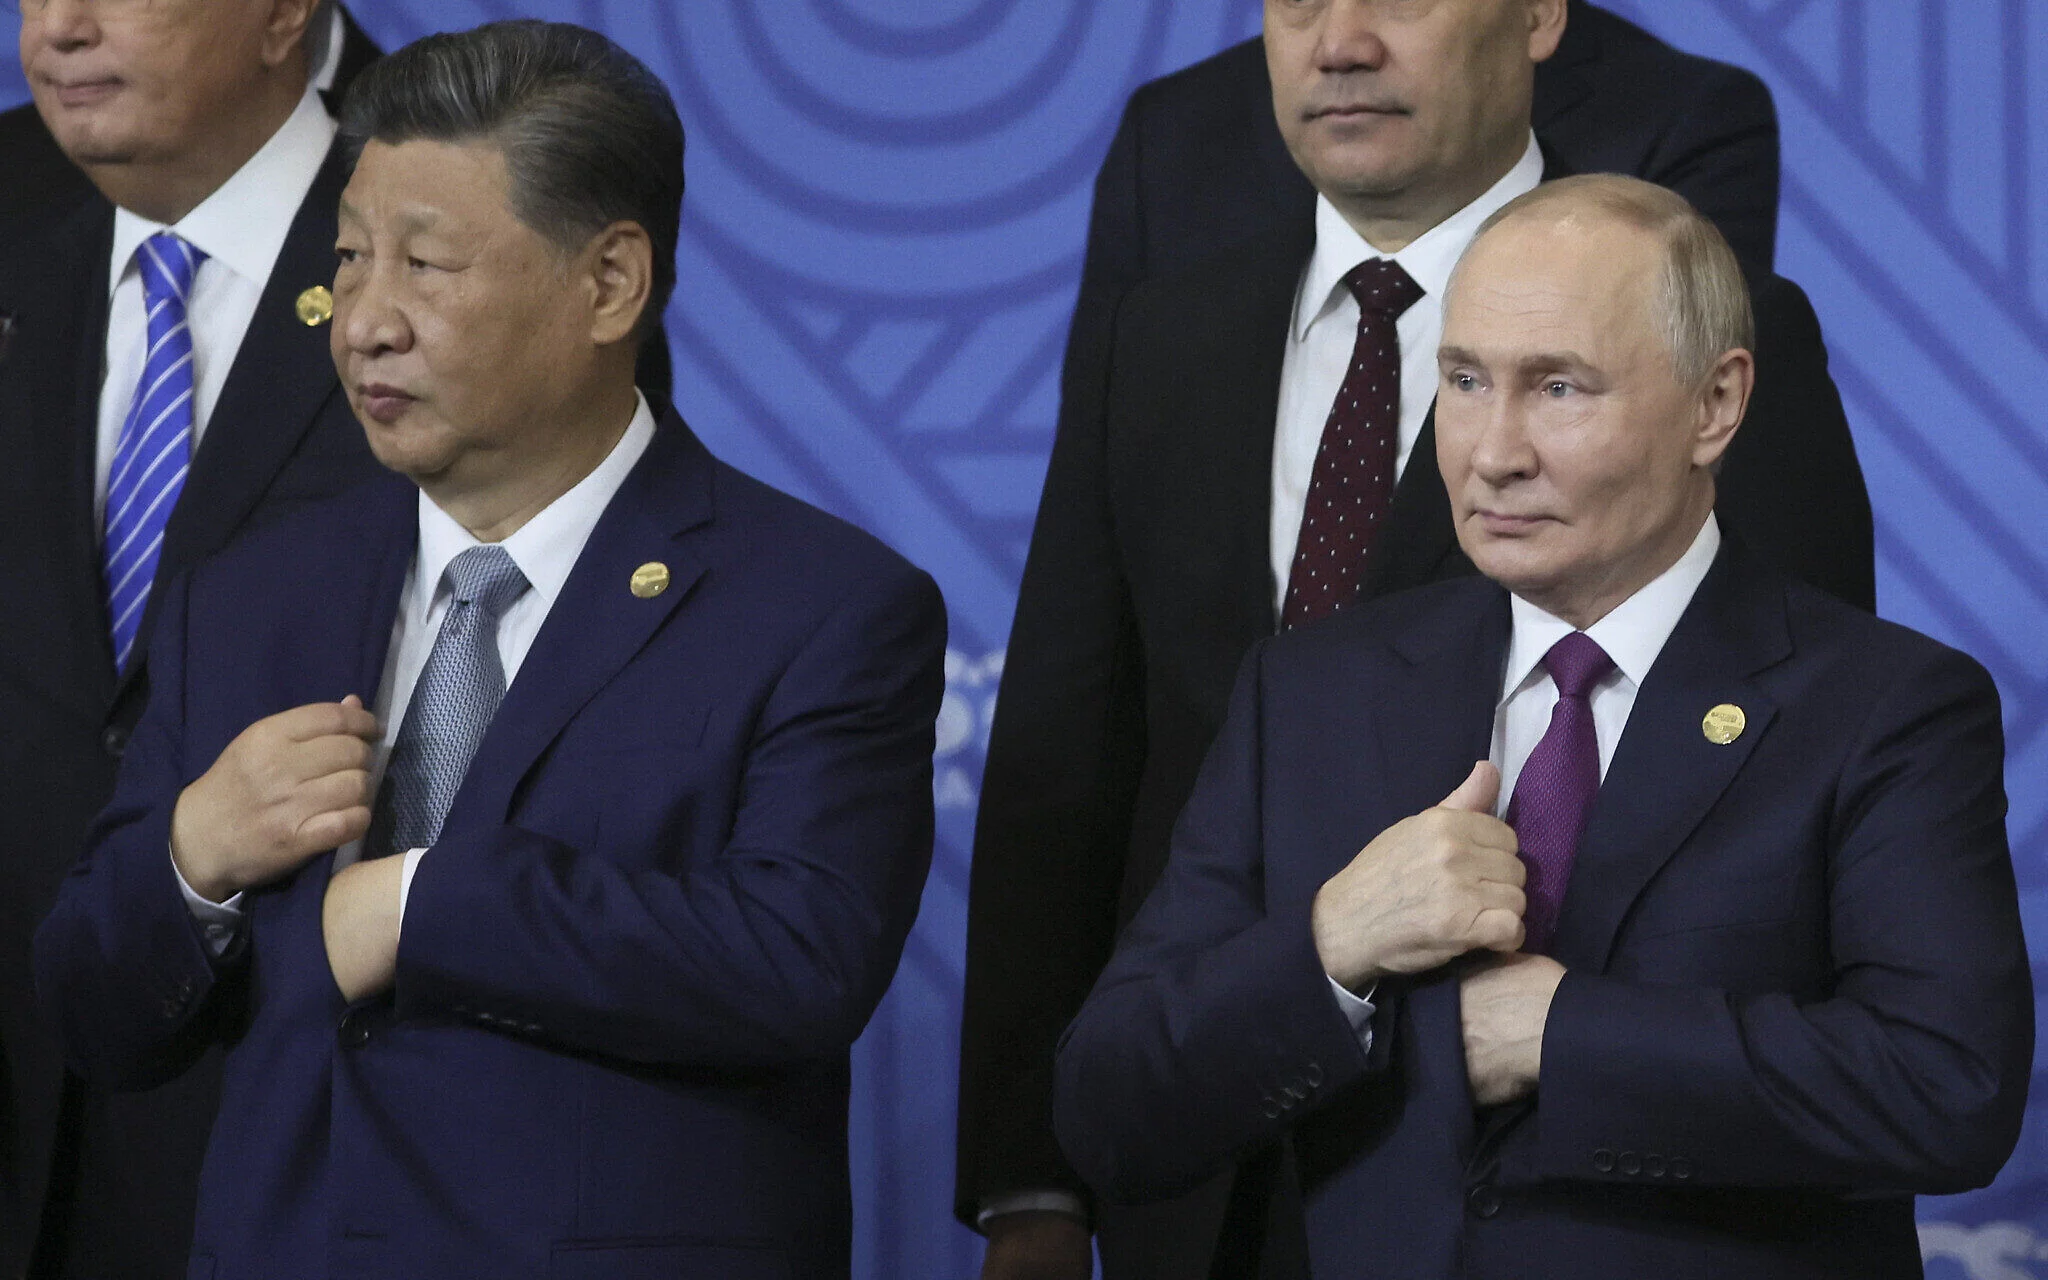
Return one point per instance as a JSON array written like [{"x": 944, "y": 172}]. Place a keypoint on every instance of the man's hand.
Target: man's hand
[
  {"x": 1506, "y": 1001},
  {"x": 1427, "y": 889},
  {"x": 1037, "y": 1246},
  {"x": 359, "y": 919},
  {"x": 288, "y": 787}
]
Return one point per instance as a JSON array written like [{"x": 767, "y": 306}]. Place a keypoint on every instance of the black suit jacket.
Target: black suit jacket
[
  {"x": 119, "y": 1171},
  {"x": 1147, "y": 580},
  {"x": 1796, "y": 990}
]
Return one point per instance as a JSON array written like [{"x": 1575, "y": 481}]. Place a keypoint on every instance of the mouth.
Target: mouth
[
  {"x": 383, "y": 402},
  {"x": 1357, "y": 111},
  {"x": 84, "y": 93},
  {"x": 1508, "y": 524}
]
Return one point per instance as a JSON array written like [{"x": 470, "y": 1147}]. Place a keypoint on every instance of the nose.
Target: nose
[
  {"x": 64, "y": 25},
  {"x": 369, "y": 315},
  {"x": 1350, "y": 39},
  {"x": 1501, "y": 449}
]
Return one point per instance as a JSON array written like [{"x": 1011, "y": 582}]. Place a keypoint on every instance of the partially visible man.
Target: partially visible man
[
  {"x": 540, "y": 952},
  {"x": 44, "y": 184},
  {"x": 1177, "y": 527},
  {"x": 185, "y": 204},
  {"x": 1709, "y": 964}
]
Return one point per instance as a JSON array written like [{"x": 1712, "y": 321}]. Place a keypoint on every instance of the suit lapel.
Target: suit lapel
[
  {"x": 1437, "y": 717},
  {"x": 1570, "y": 74},
  {"x": 49, "y": 420},
  {"x": 597, "y": 624},
  {"x": 1214, "y": 457},
  {"x": 1665, "y": 774}
]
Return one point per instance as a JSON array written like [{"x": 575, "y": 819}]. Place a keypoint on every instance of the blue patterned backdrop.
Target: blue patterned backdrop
[{"x": 881, "y": 245}]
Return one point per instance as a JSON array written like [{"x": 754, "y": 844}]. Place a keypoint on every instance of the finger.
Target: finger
[
  {"x": 1492, "y": 895},
  {"x": 334, "y": 753},
  {"x": 1497, "y": 866},
  {"x": 330, "y": 829},
  {"x": 1497, "y": 929},
  {"x": 1480, "y": 830},
  {"x": 342, "y": 789},
  {"x": 322, "y": 719},
  {"x": 1478, "y": 792}
]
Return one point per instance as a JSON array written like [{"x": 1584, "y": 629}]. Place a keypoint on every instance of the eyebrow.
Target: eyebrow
[
  {"x": 420, "y": 220},
  {"x": 1448, "y": 354}
]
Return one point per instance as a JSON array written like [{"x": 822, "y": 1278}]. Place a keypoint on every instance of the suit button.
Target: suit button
[
  {"x": 1295, "y": 1088},
  {"x": 1314, "y": 1075},
  {"x": 1654, "y": 1166},
  {"x": 1681, "y": 1168},
  {"x": 355, "y": 1029},
  {"x": 1630, "y": 1163},
  {"x": 115, "y": 739},
  {"x": 1484, "y": 1200},
  {"x": 1603, "y": 1160},
  {"x": 1271, "y": 1107}
]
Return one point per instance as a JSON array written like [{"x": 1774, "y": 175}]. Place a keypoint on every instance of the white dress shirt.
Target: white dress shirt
[
  {"x": 1325, "y": 329},
  {"x": 545, "y": 548},
  {"x": 241, "y": 228}
]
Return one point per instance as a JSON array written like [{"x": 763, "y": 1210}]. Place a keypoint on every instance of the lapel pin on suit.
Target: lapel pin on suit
[
  {"x": 650, "y": 579},
  {"x": 315, "y": 306},
  {"x": 1724, "y": 724}
]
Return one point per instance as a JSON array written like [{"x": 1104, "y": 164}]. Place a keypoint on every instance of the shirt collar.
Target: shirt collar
[
  {"x": 1428, "y": 259},
  {"x": 243, "y": 224},
  {"x": 546, "y": 547},
  {"x": 1633, "y": 632}
]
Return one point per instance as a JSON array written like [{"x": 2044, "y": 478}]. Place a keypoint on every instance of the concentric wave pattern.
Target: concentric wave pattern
[{"x": 1915, "y": 171}]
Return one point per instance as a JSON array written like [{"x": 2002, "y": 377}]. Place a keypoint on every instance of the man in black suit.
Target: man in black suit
[
  {"x": 1171, "y": 532},
  {"x": 203, "y": 120},
  {"x": 1708, "y": 965}
]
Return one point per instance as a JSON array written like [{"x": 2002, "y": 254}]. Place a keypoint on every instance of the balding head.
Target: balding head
[{"x": 1594, "y": 367}]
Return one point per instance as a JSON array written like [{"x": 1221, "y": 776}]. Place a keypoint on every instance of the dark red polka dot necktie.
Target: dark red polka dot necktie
[{"x": 1352, "y": 485}]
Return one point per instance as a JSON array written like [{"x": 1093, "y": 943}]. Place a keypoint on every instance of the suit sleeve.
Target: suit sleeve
[
  {"x": 1215, "y": 1019},
  {"x": 777, "y": 951},
  {"x": 1911, "y": 1075},
  {"x": 1064, "y": 757},
  {"x": 122, "y": 966},
  {"x": 1790, "y": 484},
  {"x": 1721, "y": 154}
]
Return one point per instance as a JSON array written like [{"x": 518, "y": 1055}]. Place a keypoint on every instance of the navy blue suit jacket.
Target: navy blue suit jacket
[
  {"x": 673, "y": 887},
  {"x": 1796, "y": 993}
]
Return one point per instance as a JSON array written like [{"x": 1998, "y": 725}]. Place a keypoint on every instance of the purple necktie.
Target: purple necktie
[
  {"x": 1352, "y": 484},
  {"x": 1558, "y": 783}
]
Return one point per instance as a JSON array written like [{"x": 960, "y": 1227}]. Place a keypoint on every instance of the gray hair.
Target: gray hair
[
  {"x": 1702, "y": 294},
  {"x": 590, "y": 136}
]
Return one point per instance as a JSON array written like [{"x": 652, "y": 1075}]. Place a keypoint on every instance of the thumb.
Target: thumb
[
  {"x": 352, "y": 701},
  {"x": 1478, "y": 792}
]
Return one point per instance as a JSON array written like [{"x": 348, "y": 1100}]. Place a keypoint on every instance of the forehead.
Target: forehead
[
  {"x": 421, "y": 182},
  {"x": 1531, "y": 278}
]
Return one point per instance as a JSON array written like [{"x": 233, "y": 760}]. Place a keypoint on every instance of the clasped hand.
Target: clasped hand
[
  {"x": 288, "y": 788},
  {"x": 1445, "y": 883}
]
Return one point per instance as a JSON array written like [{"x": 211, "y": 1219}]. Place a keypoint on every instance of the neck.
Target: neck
[
  {"x": 165, "y": 190},
  {"x": 495, "y": 510},
  {"x": 1390, "y": 223}
]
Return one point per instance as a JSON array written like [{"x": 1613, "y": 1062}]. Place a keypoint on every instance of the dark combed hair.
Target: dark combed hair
[{"x": 590, "y": 135}]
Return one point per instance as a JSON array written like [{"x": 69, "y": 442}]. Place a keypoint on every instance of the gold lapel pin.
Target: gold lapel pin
[
  {"x": 650, "y": 579},
  {"x": 315, "y": 306},
  {"x": 1724, "y": 724}
]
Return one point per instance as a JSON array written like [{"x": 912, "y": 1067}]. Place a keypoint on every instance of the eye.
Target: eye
[
  {"x": 345, "y": 255},
  {"x": 418, "y": 264},
  {"x": 1558, "y": 388},
  {"x": 1464, "y": 381}
]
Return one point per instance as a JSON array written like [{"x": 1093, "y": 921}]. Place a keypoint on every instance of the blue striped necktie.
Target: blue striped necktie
[{"x": 154, "y": 450}]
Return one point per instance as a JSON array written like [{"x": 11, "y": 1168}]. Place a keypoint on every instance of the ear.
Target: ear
[
  {"x": 1723, "y": 400},
  {"x": 1546, "y": 28},
  {"x": 621, "y": 278},
  {"x": 284, "y": 33}
]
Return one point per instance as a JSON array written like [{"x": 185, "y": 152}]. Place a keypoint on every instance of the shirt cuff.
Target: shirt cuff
[
  {"x": 1064, "y": 1202},
  {"x": 405, "y": 875},
  {"x": 218, "y": 921},
  {"x": 1357, "y": 1010}
]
